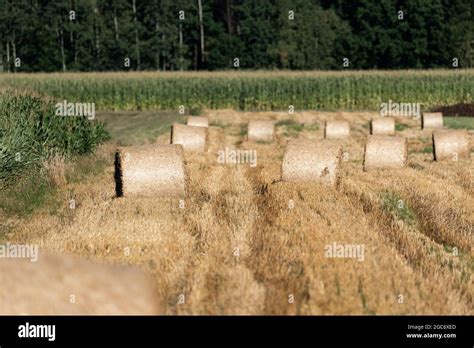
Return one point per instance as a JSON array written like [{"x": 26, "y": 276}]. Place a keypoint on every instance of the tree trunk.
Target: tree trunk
[
  {"x": 116, "y": 27},
  {"x": 164, "y": 58},
  {"x": 201, "y": 30},
  {"x": 180, "y": 46},
  {"x": 63, "y": 56},
  {"x": 75, "y": 53},
  {"x": 116, "y": 23},
  {"x": 71, "y": 34},
  {"x": 229, "y": 23},
  {"x": 157, "y": 35},
  {"x": 195, "y": 57},
  {"x": 8, "y": 55},
  {"x": 1, "y": 57},
  {"x": 137, "y": 42},
  {"x": 14, "y": 53},
  {"x": 97, "y": 38},
  {"x": 157, "y": 55}
]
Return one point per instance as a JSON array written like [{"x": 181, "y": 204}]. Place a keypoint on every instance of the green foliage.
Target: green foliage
[
  {"x": 219, "y": 124},
  {"x": 398, "y": 208},
  {"x": 30, "y": 132},
  {"x": 291, "y": 128},
  {"x": 254, "y": 91},
  {"x": 384, "y": 38},
  {"x": 428, "y": 149},
  {"x": 195, "y": 111},
  {"x": 242, "y": 130},
  {"x": 459, "y": 122},
  {"x": 260, "y": 33},
  {"x": 311, "y": 127},
  {"x": 401, "y": 126},
  {"x": 87, "y": 167},
  {"x": 287, "y": 123},
  {"x": 309, "y": 41},
  {"x": 30, "y": 192},
  {"x": 129, "y": 128}
]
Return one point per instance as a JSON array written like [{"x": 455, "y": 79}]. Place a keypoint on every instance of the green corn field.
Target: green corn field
[
  {"x": 246, "y": 90},
  {"x": 30, "y": 133}
]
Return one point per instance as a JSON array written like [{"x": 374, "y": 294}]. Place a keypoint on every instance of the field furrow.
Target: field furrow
[{"x": 243, "y": 242}]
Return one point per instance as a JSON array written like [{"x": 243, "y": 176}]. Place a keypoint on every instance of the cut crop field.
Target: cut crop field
[{"x": 244, "y": 242}]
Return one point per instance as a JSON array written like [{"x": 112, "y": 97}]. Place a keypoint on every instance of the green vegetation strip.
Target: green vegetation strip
[
  {"x": 253, "y": 91},
  {"x": 459, "y": 122},
  {"x": 31, "y": 134}
]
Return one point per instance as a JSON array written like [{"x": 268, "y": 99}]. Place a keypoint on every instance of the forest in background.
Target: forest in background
[{"x": 120, "y": 35}]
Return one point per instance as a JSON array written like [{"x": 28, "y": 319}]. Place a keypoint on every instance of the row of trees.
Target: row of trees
[{"x": 97, "y": 35}]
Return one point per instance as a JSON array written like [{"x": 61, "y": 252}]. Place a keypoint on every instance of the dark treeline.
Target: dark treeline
[{"x": 99, "y": 35}]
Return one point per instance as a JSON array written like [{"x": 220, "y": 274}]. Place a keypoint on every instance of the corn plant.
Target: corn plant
[{"x": 31, "y": 132}]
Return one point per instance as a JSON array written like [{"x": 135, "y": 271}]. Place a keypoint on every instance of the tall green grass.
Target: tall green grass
[
  {"x": 30, "y": 133},
  {"x": 253, "y": 90}
]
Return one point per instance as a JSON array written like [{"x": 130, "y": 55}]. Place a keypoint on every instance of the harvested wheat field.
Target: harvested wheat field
[{"x": 244, "y": 241}]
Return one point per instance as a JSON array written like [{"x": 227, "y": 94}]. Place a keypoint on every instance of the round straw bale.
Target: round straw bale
[
  {"x": 336, "y": 129},
  {"x": 432, "y": 120},
  {"x": 47, "y": 285},
  {"x": 382, "y": 126},
  {"x": 382, "y": 151},
  {"x": 191, "y": 138},
  {"x": 260, "y": 130},
  {"x": 150, "y": 171},
  {"x": 198, "y": 121},
  {"x": 451, "y": 145},
  {"x": 311, "y": 161}
]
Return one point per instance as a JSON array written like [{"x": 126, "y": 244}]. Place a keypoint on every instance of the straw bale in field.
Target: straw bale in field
[
  {"x": 382, "y": 126},
  {"x": 260, "y": 130},
  {"x": 150, "y": 171},
  {"x": 191, "y": 138},
  {"x": 336, "y": 129},
  {"x": 451, "y": 145},
  {"x": 432, "y": 120},
  {"x": 67, "y": 285},
  {"x": 308, "y": 161},
  {"x": 383, "y": 151},
  {"x": 198, "y": 121}
]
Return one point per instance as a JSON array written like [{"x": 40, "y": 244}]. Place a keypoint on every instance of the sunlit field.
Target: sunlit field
[
  {"x": 247, "y": 243},
  {"x": 253, "y": 90}
]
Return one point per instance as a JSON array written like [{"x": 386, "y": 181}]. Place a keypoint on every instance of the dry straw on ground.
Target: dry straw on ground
[
  {"x": 336, "y": 129},
  {"x": 280, "y": 230},
  {"x": 150, "y": 171},
  {"x": 451, "y": 145},
  {"x": 198, "y": 121},
  {"x": 259, "y": 130},
  {"x": 382, "y": 126},
  {"x": 67, "y": 285},
  {"x": 432, "y": 120},
  {"x": 305, "y": 160},
  {"x": 191, "y": 138},
  {"x": 382, "y": 151},
  {"x": 56, "y": 169}
]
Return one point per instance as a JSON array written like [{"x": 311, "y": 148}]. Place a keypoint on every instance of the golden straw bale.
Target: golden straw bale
[
  {"x": 150, "y": 171},
  {"x": 67, "y": 285},
  {"x": 451, "y": 145},
  {"x": 198, "y": 121},
  {"x": 382, "y": 126},
  {"x": 432, "y": 120},
  {"x": 383, "y": 151},
  {"x": 191, "y": 138},
  {"x": 311, "y": 161},
  {"x": 336, "y": 129},
  {"x": 260, "y": 130}
]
